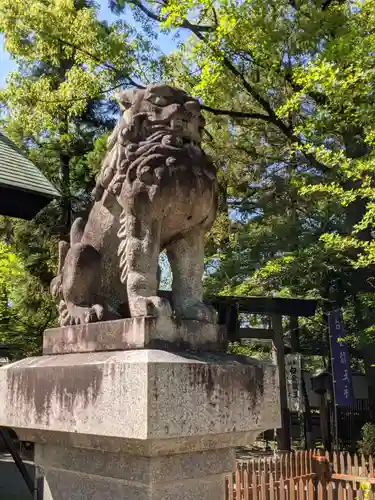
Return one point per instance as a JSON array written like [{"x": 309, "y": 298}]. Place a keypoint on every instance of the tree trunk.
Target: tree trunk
[{"x": 356, "y": 147}]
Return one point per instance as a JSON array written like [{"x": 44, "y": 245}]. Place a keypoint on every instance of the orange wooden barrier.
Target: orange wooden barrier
[{"x": 303, "y": 475}]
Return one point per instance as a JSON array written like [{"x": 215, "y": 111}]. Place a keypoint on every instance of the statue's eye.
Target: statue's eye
[{"x": 158, "y": 100}]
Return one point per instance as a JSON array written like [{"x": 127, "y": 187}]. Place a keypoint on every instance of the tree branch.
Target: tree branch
[
  {"x": 318, "y": 97},
  {"x": 107, "y": 65},
  {"x": 152, "y": 15},
  {"x": 120, "y": 73},
  {"x": 236, "y": 114},
  {"x": 272, "y": 117},
  {"x": 215, "y": 15},
  {"x": 249, "y": 88},
  {"x": 74, "y": 99},
  {"x": 251, "y": 58}
]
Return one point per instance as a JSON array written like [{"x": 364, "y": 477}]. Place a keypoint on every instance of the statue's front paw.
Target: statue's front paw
[
  {"x": 149, "y": 306},
  {"x": 197, "y": 311},
  {"x": 78, "y": 315}
]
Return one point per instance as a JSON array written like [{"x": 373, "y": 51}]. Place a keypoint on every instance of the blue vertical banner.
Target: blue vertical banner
[{"x": 342, "y": 375}]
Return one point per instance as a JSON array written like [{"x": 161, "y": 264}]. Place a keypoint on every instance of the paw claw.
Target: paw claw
[
  {"x": 77, "y": 315},
  {"x": 99, "y": 311}
]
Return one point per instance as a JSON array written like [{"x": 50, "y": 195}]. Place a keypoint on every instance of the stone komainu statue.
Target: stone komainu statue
[{"x": 156, "y": 190}]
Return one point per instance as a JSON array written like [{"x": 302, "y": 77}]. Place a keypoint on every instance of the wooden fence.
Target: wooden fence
[{"x": 303, "y": 476}]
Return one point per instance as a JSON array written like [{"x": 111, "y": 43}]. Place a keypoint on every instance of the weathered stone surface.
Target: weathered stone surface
[
  {"x": 137, "y": 469},
  {"x": 156, "y": 190},
  {"x": 134, "y": 333},
  {"x": 81, "y": 474},
  {"x": 151, "y": 401}
]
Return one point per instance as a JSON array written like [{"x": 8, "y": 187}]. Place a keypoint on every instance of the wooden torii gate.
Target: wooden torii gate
[{"x": 275, "y": 308}]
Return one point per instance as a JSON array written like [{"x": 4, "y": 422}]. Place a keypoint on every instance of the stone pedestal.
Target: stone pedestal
[
  {"x": 140, "y": 423},
  {"x": 77, "y": 474}
]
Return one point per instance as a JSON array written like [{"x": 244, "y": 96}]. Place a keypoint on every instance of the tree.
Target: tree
[
  {"x": 23, "y": 318},
  {"x": 287, "y": 87}
]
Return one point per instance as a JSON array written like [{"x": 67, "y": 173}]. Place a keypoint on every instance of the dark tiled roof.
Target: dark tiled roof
[{"x": 19, "y": 173}]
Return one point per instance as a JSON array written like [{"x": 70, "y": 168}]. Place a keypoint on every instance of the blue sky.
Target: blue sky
[
  {"x": 165, "y": 42},
  {"x": 6, "y": 64}
]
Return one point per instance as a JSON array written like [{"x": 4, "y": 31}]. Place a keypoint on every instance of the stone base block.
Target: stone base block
[
  {"x": 134, "y": 333},
  {"x": 137, "y": 424},
  {"x": 149, "y": 400},
  {"x": 72, "y": 474}
]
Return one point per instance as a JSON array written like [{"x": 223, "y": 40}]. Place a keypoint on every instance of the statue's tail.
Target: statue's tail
[{"x": 56, "y": 283}]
